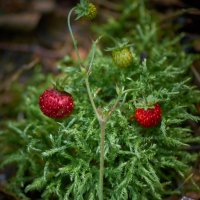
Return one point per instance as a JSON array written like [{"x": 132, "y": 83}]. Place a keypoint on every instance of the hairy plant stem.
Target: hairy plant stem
[
  {"x": 101, "y": 171},
  {"x": 72, "y": 36},
  {"x": 100, "y": 117}
]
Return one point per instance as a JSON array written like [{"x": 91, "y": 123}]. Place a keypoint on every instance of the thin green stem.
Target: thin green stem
[
  {"x": 79, "y": 62},
  {"x": 72, "y": 36},
  {"x": 113, "y": 108},
  {"x": 99, "y": 116},
  {"x": 91, "y": 100},
  {"x": 101, "y": 172},
  {"x": 92, "y": 59}
]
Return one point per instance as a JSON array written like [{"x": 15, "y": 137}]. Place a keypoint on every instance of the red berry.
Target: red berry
[
  {"x": 150, "y": 117},
  {"x": 56, "y": 104}
]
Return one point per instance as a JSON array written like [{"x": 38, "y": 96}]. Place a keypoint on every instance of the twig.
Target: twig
[
  {"x": 194, "y": 11},
  {"x": 99, "y": 117},
  {"x": 6, "y": 85},
  {"x": 34, "y": 49},
  {"x": 8, "y": 194},
  {"x": 96, "y": 93},
  {"x": 112, "y": 109},
  {"x": 185, "y": 181},
  {"x": 196, "y": 74}
]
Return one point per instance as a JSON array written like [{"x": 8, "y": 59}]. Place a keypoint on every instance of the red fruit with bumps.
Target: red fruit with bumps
[
  {"x": 56, "y": 104},
  {"x": 150, "y": 117}
]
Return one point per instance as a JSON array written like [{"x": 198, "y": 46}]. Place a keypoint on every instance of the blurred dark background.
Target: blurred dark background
[{"x": 36, "y": 29}]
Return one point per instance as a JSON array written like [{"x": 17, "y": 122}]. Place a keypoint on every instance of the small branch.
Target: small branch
[
  {"x": 101, "y": 172},
  {"x": 96, "y": 93},
  {"x": 196, "y": 74},
  {"x": 120, "y": 94},
  {"x": 112, "y": 109},
  {"x": 185, "y": 181},
  {"x": 194, "y": 11},
  {"x": 92, "y": 60},
  {"x": 6, "y": 85},
  {"x": 92, "y": 101},
  {"x": 34, "y": 49},
  {"x": 9, "y": 195}
]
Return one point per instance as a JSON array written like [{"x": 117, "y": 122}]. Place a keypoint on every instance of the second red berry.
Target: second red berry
[{"x": 150, "y": 117}]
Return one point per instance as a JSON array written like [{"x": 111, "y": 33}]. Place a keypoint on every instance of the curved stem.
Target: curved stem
[
  {"x": 91, "y": 100},
  {"x": 72, "y": 36},
  {"x": 92, "y": 59},
  {"x": 79, "y": 63},
  {"x": 101, "y": 120}
]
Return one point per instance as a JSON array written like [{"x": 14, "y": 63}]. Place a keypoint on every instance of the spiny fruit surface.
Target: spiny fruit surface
[
  {"x": 56, "y": 104},
  {"x": 91, "y": 13},
  {"x": 150, "y": 117},
  {"x": 122, "y": 57}
]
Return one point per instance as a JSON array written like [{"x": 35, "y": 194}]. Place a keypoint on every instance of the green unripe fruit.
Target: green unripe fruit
[
  {"x": 91, "y": 13},
  {"x": 122, "y": 57}
]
